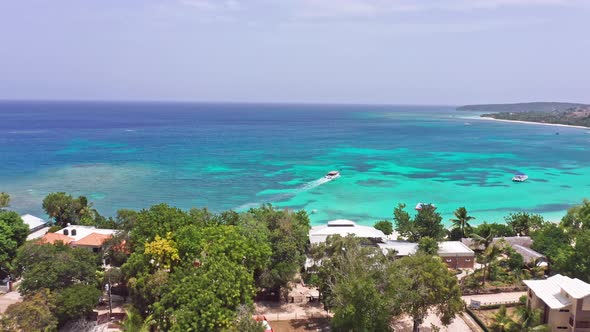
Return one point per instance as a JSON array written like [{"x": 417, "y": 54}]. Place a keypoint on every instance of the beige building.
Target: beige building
[{"x": 564, "y": 302}]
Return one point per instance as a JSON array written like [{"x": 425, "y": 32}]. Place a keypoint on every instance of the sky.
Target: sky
[{"x": 313, "y": 51}]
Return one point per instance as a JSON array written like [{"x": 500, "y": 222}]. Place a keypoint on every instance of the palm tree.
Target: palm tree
[
  {"x": 487, "y": 258},
  {"x": 462, "y": 220},
  {"x": 529, "y": 320},
  {"x": 502, "y": 322}
]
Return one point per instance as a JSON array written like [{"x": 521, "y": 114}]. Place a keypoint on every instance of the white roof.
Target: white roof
[
  {"x": 403, "y": 248},
  {"x": 33, "y": 221},
  {"x": 84, "y": 231},
  {"x": 551, "y": 290},
  {"x": 38, "y": 234},
  {"x": 454, "y": 248},
  {"x": 445, "y": 248},
  {"x": 342, "y": 227}
]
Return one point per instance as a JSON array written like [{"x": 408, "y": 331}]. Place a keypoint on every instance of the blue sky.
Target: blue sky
[{"x": 345, "y": 51}]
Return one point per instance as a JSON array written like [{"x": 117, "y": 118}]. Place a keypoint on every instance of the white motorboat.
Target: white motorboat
[
  {"x": 520, "y": 177},
  {"x": 332, "y": 175}
]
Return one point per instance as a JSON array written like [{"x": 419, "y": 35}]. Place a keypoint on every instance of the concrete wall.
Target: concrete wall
[{"x": 582, "y": 316}]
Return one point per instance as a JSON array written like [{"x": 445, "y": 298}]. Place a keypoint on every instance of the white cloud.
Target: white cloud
[
  {"x": 372, "y": 8},
  {"x": 213, "y": 5}
]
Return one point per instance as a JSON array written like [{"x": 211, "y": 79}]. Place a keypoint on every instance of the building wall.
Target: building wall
[
  {"x": 459, "y": 262},
  {"x": 581, "y": 317},
  {"x": 559, "y": 319}
]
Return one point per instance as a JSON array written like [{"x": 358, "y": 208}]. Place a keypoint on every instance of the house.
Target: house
[
  {"x": 454, "y": 253},
  {"x": 564, "y": 302},
  {"x": 34, "y": 223},
  {"x": 520, "y": 244},
  {"x": 78, "y": 236},
  {"x": 319, "y": 234}
]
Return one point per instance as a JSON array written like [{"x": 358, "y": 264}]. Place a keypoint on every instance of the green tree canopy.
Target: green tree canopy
[
  {"x": 76, "y": 301},
  {"x": 4, "y": 200},
  {"x": 65, "y": 209},
  {"x": 523, "y": 224},
  {"x": 461, "y": 221},
  {"x": 577, "y": 217},
  {"x": 422, "y": 283},
  {"x": 34, "y": 313},
  {"x": 428, "y": 246},
  {"x": 426, "y": 223},
  {"x": 54, "y": 267},
  {"x": 13, "y": 233},
  {"x": 385, "y": 226},
  {"x": 205, "y": 298}
]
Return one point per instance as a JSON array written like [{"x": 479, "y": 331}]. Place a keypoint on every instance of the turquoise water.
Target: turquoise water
[{"x": 235, "y": 156}]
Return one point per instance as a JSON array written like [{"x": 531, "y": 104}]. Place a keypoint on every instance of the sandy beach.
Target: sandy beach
[{"x": 530, "y": 122}]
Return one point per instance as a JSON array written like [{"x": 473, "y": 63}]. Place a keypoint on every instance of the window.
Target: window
[
  {"x": 583, "y": 324},
  {"x": 448, "y": 260},
  {"x": 562, "y": 327},
  {"x": 468, "y": 259},
  {"x": 564, "y": 310}
]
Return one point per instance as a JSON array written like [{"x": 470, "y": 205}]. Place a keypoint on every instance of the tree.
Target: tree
[
  {"x": 13, "y": 233},
  {"x": 523, "y": 224},
  {"x": 245, "y": 322},
  {"x": 205, "y": 298},
  {"x": 76, "y": 301},
  {"x": 487, "y": 258},
  {"x": 502, "y": 322},
  {"x": 288, "y": 236},
  {"x": 54, "y": 267},
  {"x": 577, "y": 217},
  {"x": 428, "y": 246},
  {"x": 353, "y": 284},
  {"x": 163, "y": 251},
  {"x": 420, "y": 283},
  {"x": 34, "y": 313},
  {"x": 4, "y": 200},
  {"x": 461, "y": 220},
  {"x": 426, "y": 223},
  {"x": 65, "y": 209},
  {"x": 574, "y": 261},
  {"x": 385, "y": 226},
  {"x": 551, "y": 240}
]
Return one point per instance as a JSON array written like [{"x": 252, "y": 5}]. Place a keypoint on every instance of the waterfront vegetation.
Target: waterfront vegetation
[{"x": 198, "y": 270}]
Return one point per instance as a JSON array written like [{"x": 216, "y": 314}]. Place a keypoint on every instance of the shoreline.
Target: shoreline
[{"x": 534, "y": 123}]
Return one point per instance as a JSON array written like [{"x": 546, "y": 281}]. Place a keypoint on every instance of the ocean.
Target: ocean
[{"x": 237, "y": 156}]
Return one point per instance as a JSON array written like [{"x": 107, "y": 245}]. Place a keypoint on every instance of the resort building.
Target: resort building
[
  {"x": 454, "y": 253},
  {"x": 78, "y": 236},
  {"x": 520, "y": 244},
  {"x": 342, "y": 227},
  {"x": 37, "y": 226},
  {"x": 564, "y": 302}
]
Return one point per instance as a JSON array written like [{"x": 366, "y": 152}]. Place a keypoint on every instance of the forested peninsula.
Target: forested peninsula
[{"x": 540, "y": 112}]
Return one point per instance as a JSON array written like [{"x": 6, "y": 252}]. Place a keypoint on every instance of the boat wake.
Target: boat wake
[{"x": 286, "y": 195}]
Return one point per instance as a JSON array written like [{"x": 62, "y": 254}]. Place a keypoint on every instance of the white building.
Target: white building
[
  {"x": 564, "y": 302},
  {"x": 342, "y": 227}
]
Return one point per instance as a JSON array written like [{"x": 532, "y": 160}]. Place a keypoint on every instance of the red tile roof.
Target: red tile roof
[
  {"x": 55, "y": 237},
  {"x": 92, "y": 240}
]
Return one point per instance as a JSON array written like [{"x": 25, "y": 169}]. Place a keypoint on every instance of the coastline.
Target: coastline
[{"x": 530, "y": 122}]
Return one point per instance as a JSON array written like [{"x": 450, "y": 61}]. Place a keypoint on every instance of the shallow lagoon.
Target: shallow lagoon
[{"x": 234, "y": 156}]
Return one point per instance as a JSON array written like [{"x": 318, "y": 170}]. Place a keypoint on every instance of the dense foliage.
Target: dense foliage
[
  {"x": 385, "y": 226},
  {"x": 13, "y": 233},
  {"x": 426, "y": 223},
  {"x": 195, "y": 270},
  {"x": 366, "y": 289},
  {"x": 54, "y": 267}
]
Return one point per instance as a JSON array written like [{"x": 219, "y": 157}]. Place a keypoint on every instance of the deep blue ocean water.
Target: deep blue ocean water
[{"x": 234, "y": 156}]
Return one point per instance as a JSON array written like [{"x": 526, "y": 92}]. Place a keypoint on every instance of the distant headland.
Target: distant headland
[{"x": 570, "y": 114}]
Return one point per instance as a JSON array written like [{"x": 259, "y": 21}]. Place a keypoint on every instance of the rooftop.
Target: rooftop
[
  {"x": 445, "y": 248},
  {"x": 455, "y": 248},
  {"x": 550, "y": 290},
  {"x": 342, "y": 227},
  {"x": 32, "y": 221}
]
